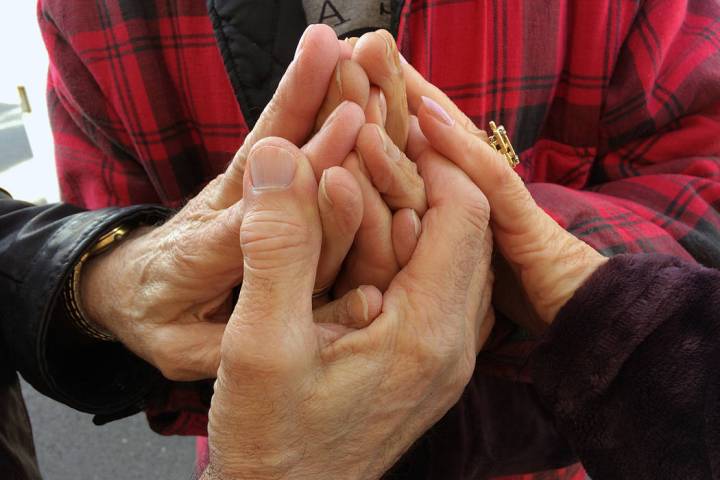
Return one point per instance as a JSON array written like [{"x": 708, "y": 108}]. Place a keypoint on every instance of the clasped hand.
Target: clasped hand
[
  {"x": 297, "y": 397},
  {"x": 338, "y": 192}
]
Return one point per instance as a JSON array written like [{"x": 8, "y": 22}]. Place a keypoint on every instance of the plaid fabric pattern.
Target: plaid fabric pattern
[
  {"x": 141, "y": 107},
  {"x": 614, "y": 104}
]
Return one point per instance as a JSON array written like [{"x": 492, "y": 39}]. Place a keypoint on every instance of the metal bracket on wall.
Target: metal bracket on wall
[{"x": 24, "y": 101}]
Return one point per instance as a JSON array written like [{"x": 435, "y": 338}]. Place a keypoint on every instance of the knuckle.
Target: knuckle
[
  {"x": 180, "y": 245},
  {"x": 236, "y": 169},
  {"x": 166, "y": 360},
  {"x": 267, "y": 239},
  {"x": 477, "y": 211},
  {"x": 254, "y": 363}
]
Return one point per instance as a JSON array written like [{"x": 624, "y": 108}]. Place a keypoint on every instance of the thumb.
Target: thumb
[
  {"x": 280, "y": 238},
  {"x": 292, "y": 111}
]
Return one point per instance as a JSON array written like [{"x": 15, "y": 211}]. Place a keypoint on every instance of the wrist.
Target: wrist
[
  {"x": 107, "y": 279},
  {"x": 578, "y": 263}
]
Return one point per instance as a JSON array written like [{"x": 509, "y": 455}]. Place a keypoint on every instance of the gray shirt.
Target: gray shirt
[{"x": 349, "y": 18}]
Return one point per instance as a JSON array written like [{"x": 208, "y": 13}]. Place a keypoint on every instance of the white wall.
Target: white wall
[{"x": 23, "y": 61}]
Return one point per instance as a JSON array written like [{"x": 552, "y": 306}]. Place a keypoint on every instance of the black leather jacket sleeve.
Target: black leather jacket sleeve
[{"x": 39, "y": 246}]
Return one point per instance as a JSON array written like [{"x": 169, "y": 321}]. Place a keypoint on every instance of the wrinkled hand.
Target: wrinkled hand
[
  {"x": 165, "y": 292},
  {"x": 393, "y": 192},
  {"x": 288, "y": 403},
  {"x": 548, "y": 262}
]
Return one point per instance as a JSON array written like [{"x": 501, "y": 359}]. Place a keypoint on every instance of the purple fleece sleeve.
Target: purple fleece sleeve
[{"x": 631, "y": 370}]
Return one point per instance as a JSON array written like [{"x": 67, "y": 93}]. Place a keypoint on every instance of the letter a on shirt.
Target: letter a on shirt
[{"x": 349, "y": 18}]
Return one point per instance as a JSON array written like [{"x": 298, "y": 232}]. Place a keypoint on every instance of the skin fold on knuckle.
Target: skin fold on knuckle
[
  {"x": 165, "y": 357},
  {"x": 185, "y": 244},
  {"x": 472, "y": 213},
  {"x": 270, "y": 240},
  {"x": 248, "y": 364},
  {"x": 178, "y": 247}
]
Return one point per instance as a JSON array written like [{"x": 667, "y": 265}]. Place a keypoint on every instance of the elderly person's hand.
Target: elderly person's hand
[
  {"x": 166, "y": 292},
  {"x": 548, "y": 262},
  {"x": 393, "y": 192},
  {"x": 291, "y": 403}
]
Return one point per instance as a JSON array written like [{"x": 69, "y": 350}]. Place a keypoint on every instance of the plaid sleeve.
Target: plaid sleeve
[
  {"x": 654, "y": 184},
  {"x": 140, "y": 104},
  {"x": 142, "y": 111}
]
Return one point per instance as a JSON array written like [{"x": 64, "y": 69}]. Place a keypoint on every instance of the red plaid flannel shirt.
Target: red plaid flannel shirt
[{"x": 614, "y": 104}]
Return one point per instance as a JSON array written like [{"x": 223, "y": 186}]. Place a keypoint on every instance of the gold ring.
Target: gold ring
[{"x": 499, "y": 139}]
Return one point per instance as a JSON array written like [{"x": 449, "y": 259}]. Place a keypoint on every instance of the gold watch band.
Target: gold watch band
[{"x": 72, "y": 289}]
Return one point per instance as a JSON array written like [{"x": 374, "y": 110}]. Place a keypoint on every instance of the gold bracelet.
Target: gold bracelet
[{"x": 72, "y": 289}]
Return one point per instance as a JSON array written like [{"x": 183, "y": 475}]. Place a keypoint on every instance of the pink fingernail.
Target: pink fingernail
[
  {"x": 271, "y": 168},
  {"x": 403, "y": 59},
  {"x": 437, "y": 111}
]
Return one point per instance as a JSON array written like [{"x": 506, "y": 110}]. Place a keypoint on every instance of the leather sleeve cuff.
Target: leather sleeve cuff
[{"x": 95, "y": 377}]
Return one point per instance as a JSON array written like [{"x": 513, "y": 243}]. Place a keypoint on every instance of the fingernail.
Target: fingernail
[
  {"x": 403, "y": 59},
  {"x": 391, "y": 150},
  {"x": 302, "y": 41},
  {"x": 382, "y": 101},
  {"x": 437, "y": 111},
  {"x": 323, "y": 189},
  {"x": 391, "y": 51},
  {"x": 417, "y": 223},
  {"x": 360, "y": 304},
  {"x": 338, "y": 79},
  {"x": 271, "y": 168}
]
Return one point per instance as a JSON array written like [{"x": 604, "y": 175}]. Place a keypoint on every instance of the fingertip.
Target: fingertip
[
  {"x": 349, "y": 114},
  {"x": 373, "y": 300},
  {"x": 341, "y": 195},
  {"x": 374, "y": 148},
  {"x": 318, "y": 37},
  {"x": 346, "y": 49},
  {"x": 336, "y": 139},
  {"x": 355, "y": 113},
  {"x": 370, "y": 138},
  {"x": 407, "y": 228},
  {"x": 417, "y": 142},
  {"x": 376, "y": 110},
  {"x": 354, "y": 84}
]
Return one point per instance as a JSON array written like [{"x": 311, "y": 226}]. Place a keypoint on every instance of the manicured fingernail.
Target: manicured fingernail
[
  {"x": 403, "y": 59},
  {"x": 417, "y": 223},
  {"x": 271, "y": 168},
  {"x": 323, "y": 190},
  {"x": 437, "y": 111},
  {"x": 302, "y": 41}
]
